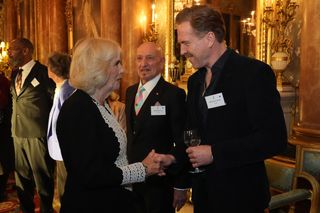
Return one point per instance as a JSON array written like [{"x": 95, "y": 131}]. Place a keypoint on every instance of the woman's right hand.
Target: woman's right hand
[{"x": 151, "y": 164}]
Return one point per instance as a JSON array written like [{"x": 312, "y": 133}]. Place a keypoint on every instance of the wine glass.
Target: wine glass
[{"x": 191, "y": 138}]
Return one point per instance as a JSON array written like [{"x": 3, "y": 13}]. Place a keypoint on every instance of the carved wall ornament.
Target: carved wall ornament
[{"x": 69, "y": 18}]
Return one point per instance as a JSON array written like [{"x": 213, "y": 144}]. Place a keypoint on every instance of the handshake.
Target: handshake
[{"x": 156, "y": 163}]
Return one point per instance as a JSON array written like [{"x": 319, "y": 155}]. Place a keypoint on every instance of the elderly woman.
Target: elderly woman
[{"x": 93, "y": 144}]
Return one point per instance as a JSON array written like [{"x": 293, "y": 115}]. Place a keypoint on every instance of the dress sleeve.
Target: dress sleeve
[{"x": 133, "y": 173}]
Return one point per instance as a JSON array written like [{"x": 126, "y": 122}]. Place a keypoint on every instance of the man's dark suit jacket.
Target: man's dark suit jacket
[
  {"x": 146, "y": 132},
  {"x": 247, "y": 130},
  {"x": 32, "y": 106},
  {"x": 89, "y": 149}
]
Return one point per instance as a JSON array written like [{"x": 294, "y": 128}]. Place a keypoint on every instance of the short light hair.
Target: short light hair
[
  {"x": 203, "y": 19},
  {"x": 91, "y": 63}
]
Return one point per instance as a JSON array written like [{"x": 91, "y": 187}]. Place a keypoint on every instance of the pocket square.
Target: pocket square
[{"x": 157, "y": 103}]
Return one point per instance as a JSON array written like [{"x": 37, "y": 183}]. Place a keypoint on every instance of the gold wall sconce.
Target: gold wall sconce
[
  {"x": 151, "y": 34},
  {"x": 3, "y": 51},
  {"x": 174, "y": 73},
  {"x": 248, "y": 25},
  {"x": 4, "y": 65}
]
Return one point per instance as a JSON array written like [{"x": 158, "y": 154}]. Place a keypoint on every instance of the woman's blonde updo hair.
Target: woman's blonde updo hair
[{"x": 91, "y": 62}]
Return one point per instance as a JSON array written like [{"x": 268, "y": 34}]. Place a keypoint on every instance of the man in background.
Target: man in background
[
  {"x": 32, "y": 93},
  {"x": 155, "y": 112},
  {"x": 58, "y": 67},
  {"x": 6, "y": 146}
]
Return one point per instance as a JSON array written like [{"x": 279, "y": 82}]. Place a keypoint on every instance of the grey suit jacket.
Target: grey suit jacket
[{"x": 32, "y": 106}]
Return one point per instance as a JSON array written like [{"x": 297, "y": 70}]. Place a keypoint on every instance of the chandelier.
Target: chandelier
[
  {"x": 4, "y": 66},
  {"x": 153, "y": 34},
  {"x": 248, "y": 25}
]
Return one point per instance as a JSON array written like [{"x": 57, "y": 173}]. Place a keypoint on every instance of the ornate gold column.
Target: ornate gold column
[
  {"x": 69, "y": 21},
  {"x": 58, "y": 40},
  {"x": 309, "y": 105},
  {"x": 42, "y": 30},
  {"x": 11, "y": 21},
  {"x": 306, "y": 133},
  {"x": 111, "y": 20},
  {"x": 32, "y": 32},
  {"x": 131, "y": 37},
  {"x": 28, "y": 15},
  {"x": 26, "y": 19}
]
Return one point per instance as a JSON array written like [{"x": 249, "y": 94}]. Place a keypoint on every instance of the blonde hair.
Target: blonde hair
[{"x": 90, "y": 64}]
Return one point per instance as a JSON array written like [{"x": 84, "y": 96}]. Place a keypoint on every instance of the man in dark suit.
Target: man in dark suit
[
  {"x": 32, "y": 93},
  {"x": 155, "y": 111},
  {"x": 233, "y": 102}
]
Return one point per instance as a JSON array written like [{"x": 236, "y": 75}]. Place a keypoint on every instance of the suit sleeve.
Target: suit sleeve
[
  {"x": 267, "y": 135},
  {"x": 177, "y": 122}
]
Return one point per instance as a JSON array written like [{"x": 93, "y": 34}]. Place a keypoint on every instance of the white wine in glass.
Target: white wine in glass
[{"x": 191, "y": 138}]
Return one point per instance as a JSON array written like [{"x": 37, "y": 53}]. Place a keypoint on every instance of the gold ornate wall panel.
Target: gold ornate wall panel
[
  {"x": 87, "y": 19},
  {"x": 2, "y": 21},
  {"x": 266, "y": 37},
  {"x": 164, "y": 25},
  {"x": 42, "y": 29},
  {"x": 131, "y": 37},
  {"x": 93, "y": 18},
  {"x": 69, "y": 20},
  {"x": 58, "y": 36},
  {"x": 292, "y": 73},
  {"x": 121, "y": 21},
  {"x": 111, "y": 20}
]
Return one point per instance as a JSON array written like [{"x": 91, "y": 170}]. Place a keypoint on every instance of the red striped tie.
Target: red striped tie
[{"x": 19, "y": 81}]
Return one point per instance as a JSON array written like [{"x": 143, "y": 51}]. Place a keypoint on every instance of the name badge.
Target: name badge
[
  {"x": 158, "y": 110},
  {"x": 35, "y": 82},
  {"x": 215, "y": 100}
]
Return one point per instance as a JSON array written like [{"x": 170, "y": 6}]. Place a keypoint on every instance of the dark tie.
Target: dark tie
[{"x": 19, "y": 81}]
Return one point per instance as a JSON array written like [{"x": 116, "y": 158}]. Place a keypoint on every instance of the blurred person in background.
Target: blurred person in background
[
  {"x": 118, "y": 109},
  {"x": 58, "y": 67},
  {"x": 6, "y": 146}
]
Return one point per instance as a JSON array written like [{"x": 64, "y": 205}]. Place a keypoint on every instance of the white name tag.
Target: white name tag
[
  {"x": 215, "y": 100},
  {"x": 35, "y": 82},
  {"x": 158, "y": 110}
]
